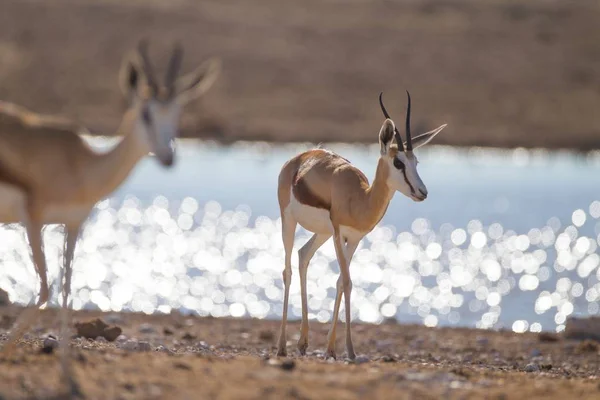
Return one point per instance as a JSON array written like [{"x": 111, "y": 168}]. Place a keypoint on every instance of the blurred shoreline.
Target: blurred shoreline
[{"x": 501, "y": 73}]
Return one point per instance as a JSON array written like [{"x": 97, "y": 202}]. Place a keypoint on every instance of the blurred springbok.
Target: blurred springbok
[
  {"x": 49, "y": 175},
  {"x": 328, "y": 196}
]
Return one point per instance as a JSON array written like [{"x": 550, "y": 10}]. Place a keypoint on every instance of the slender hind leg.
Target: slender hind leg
[
  {"x": 344, "y": 256},
  {"x": 305, "y": 254},
  {"x": 72, "y": 387},
  {"x": 288, "y": 231}
]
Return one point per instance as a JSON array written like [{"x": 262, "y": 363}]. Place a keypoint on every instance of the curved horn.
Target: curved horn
[
  {"x": 385, "y": 114},
  {"x": 146, "y": 66},
  {"x": 409, "y": 146},
  {"x": 174, "y": 65}
]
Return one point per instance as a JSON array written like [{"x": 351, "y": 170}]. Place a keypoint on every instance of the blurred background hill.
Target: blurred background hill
[{"x": 500, "y": 73}]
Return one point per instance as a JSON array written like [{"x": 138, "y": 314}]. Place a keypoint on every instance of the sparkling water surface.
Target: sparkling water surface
[{"x": 505, "y": 239}]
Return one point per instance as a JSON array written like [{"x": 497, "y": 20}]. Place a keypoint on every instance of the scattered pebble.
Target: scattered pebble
[
  {"x": 147, "y": 328},
  {"x": 164, "y": 349},
  {"x": 189, "y": 336},
  {"x": 144, "y": 346},
  {"x": 101, "y": 339},
  {"x": 182, "y": 365},
  {"x": 266, "y": 336},
  {"x": 286, "y": 365},
  {"x": 50, "y": 344},
  {"x": 94, "y": 328},
  {"x": 388, "y": 358},
  {"x": 546, "y": 367},
  {"x": 535, "y": 353},
  {"x": 168, "y": 331},
  {"x": 130, "y": 345},
  {"x": 362, "y": 359},
  {"x": 202, "y": 345},
  {"x": 532, "y": 368}
]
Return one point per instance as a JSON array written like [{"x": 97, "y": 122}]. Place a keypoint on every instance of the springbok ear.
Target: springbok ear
[
  {"x": 386, "y": 136},
  {"x": 196, "y": 83},
  {"x": 425, "y": 138},
  {"x": 129, "y": 77}
]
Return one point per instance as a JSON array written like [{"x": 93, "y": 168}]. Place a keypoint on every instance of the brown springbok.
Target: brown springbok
[
  {"x": 328, "y": 196},
  {"x": 49, "y": 175}
]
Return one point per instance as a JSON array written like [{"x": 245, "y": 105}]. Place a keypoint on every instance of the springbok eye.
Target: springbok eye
[
  {"x": 146, "y": 115},
  {"x": 398, "y": 164}
]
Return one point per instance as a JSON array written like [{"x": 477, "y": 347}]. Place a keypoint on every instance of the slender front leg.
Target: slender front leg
[
  {"x": 71, "y": 235},
  {"x": 344, "y": 255},
  {"x": 288, "y": 231},
  {"x": 33, "y": 227},
  {"x": 305, "y": 254}
]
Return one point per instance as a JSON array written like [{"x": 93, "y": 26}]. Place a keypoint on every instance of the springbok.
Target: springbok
[
  {"x": 49, "y": 175},
  {"x": 328, "y": 196}
]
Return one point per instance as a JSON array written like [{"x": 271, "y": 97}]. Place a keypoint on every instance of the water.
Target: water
[{"x": 505, "y": 239}]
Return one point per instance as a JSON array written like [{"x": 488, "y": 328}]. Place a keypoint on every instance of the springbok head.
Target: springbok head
[
  {"x": 401, "y": 160},
  {"x": 157, "y": 106}
]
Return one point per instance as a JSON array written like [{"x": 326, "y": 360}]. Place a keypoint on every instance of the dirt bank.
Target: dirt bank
[
  {"x": 181, "y": 357},
  {"x": 500, "y": 72}
]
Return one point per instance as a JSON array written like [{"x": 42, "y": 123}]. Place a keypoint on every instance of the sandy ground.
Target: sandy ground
[
  {"x": 179, "y": 357},
  {"x": 499, "y": 72}
]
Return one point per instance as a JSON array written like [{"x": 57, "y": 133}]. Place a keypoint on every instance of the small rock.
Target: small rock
[
  {"x": 181, "y": 365},
  {"x": 202, "y": 345},
  {"x": 245, "y": 335},
  {"x": 535, "y": 353},
  {"x": 130, "y": 345},
  {"x": 101, "y": 339},
  {"x": 189, "y": 336},
  {"x": 50, "y": 343},
  {"x": 164, "y": 349},
  {"x": 532, "y": 368},
  {"x": 147, "y": 328},
  {"x": 482, "y": 340},
  {"x": 388, "y": 358},
  {"x": 361, "y": 359},
  {"x": 121, "y": 339},
  {"x": 546, "y": 367},
  {"x": 167, "y": 331},
  {"x": 286, "y": 365},
  {"x": 144, "y": 346},
  {"x": 266, "y": 336},
  {"x": 94, "y": 328}
]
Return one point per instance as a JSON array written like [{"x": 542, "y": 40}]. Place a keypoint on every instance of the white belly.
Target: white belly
[
  {"x": 313, "y": 219},
  {"x": 13, "y": 209},
  {"x": 318, "y": 220}
]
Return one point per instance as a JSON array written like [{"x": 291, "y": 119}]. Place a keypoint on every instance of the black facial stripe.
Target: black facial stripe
[{"x": 412, "y": 190}]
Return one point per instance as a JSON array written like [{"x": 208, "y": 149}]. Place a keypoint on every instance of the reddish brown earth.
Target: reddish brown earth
[
  {"x": 233, "y": 359},
  {"x": 500, "y": 72}
]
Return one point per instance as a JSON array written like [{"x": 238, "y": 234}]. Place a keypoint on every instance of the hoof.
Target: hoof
[
  {"x": 330, "y": 354},
  {"x": 302, "y": 348},
  {"x": 282, "y": 353}
]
